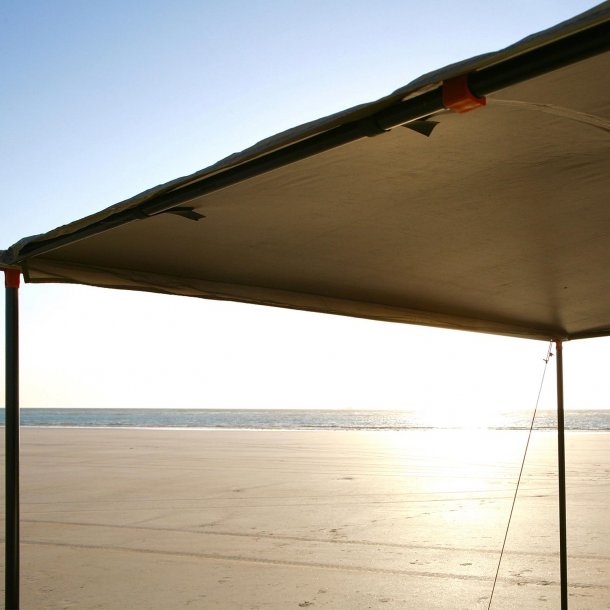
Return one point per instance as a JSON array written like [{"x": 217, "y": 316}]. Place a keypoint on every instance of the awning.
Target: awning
[{"x": 494, "y": 220}]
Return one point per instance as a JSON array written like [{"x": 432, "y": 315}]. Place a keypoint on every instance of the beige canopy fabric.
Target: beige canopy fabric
[{"x": 495, "y": 220}]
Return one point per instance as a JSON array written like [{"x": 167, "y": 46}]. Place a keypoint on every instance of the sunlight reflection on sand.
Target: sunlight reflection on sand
[{"x": 337, "y": 519}]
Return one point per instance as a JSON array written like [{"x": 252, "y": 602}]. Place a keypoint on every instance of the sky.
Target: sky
[{"x": 102, "y": 100}]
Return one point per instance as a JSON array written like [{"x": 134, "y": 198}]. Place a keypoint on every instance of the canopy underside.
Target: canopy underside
[{"x": 497, "y": 221}]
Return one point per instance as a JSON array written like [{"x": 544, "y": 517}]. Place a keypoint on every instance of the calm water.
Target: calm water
[{"x": 304, "y": 419}]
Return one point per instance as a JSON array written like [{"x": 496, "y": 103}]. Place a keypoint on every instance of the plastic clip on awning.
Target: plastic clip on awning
[
  {"x": 458, "y": 97},
  {"x": 12, "y": 278}
]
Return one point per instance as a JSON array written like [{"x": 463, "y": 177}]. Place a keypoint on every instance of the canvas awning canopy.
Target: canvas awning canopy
[{"x": 493, "y": 220}]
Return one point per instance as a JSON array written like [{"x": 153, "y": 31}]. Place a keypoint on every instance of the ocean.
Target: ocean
[{"x": 288, "y": 419}]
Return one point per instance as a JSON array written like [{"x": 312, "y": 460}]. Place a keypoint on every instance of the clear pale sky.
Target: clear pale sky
[{"x": 101, "y": 100}]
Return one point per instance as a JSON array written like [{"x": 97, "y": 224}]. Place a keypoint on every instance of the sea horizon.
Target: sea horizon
[{"x": 309, "y": 419}]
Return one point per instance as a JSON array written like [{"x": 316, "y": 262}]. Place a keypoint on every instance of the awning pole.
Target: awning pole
[
  {"x": 11, "y": 570},
  {"x": 561, "y": 459}
]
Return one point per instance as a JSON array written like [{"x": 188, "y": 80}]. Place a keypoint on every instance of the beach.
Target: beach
[{"x": 254, "y": 519}]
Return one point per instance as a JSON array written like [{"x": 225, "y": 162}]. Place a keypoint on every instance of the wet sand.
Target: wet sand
[{"x": 128, "y": 518}]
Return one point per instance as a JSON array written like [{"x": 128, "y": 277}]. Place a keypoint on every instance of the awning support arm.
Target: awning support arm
[
  {"x": 11, "y": 570},
  {"x": 561, "y": 460}
]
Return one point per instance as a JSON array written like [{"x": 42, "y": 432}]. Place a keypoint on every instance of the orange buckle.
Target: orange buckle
[{"x": 458, "y": 97}]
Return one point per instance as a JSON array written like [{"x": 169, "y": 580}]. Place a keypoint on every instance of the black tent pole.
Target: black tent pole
[
  {"x": 561, "y": 459},
  {"x": 11, "y": 566}
]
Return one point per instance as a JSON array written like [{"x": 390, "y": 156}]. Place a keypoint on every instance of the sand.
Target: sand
[{"x": 128, "y": 518}]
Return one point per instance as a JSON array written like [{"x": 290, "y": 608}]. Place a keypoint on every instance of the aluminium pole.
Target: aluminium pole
[
  {"x": 11, "y": 566},
  {"x": 561, "y": 460}
]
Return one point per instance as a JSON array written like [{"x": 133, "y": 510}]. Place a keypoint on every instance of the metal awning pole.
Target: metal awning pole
[
  {"x": 11, "y": 569},
  {"x": 561, "y": 459}
]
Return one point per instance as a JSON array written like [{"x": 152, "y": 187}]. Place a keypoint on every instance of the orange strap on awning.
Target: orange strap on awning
[{"x": 458, "y": 97}]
